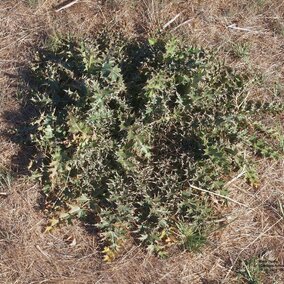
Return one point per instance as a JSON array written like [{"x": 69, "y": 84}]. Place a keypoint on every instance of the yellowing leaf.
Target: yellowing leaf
[
  {"x": 52, "y": 223},
  {"x": 109, "y": 255},
  {"x": 163, "y": 234}
]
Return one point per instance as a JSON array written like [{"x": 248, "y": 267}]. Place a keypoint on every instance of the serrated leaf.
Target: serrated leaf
[
  {"x": 83, "y": 198},
  {"x": 74, "y": 209},
  {"x": 64, "y": 215},
  {"x": 109, "y": 254}
]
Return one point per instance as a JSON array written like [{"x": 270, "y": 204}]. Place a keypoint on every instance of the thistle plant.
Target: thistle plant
[{"x": 125, "y": 128}]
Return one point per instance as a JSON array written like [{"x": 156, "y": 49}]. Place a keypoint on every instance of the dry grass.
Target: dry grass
[{"x": 70, "y": 254}]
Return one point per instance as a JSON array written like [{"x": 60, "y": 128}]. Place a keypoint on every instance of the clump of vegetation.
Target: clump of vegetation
[
  {"x": 251, "y": 271},
  {"x": 5, "y": 180},
  {"x": 128, "y": 131}
]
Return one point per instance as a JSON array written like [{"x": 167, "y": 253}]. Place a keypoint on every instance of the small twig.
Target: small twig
[
  {"x": 182, "y": 24},
  {"x": 4, "y": 194},
  {"x": 67, "y": 5},
  {"x": 234, "y": 27},
  {"x": 171, "y": 21},
  {"x": 219, "y": 195},
  {"x": 281, "y": 208},
  {"x": 235, "y": 178},
  {"x": 42, "y": 252}
]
